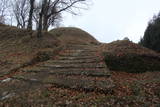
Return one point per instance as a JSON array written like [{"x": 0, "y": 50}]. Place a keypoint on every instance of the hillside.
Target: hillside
[
  {"x": 70, "y": 68},
  {"x": 73, "y": 35},
  {"x": 19, "y": 47},
  {"x": 124, "y": 47},
  {"x": 125, "y": 55}
]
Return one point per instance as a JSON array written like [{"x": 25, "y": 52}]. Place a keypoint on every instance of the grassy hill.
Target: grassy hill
[
  {"x": 29, "y": 70},
  {"x": 73, "y": 35},
  {"x": 127, "y": 56},
  {"x": 19, "y": 47}
]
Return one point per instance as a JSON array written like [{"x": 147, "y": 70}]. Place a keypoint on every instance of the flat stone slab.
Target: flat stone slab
[
  {"x": 16, "y": 86},
  {"x": 89, "y": 72},
  {"x": 73, "y": 61},
  {"x": 76, "y": 58},
  {"x": 83, "y": 65},
  {"x": 77, "y": 83},
  {"x": 81, "y": 83},
  {"x": 76, "y": 68}
]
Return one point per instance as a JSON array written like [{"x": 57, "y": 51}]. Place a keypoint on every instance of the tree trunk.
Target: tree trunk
[
  {"x": 41, "y": 14},
  {"x": 39, "y": 31},
  {"x": 45, "y": 15},
  {"x": 30, "y": 15},
  {"x": 45, "y": 23}
]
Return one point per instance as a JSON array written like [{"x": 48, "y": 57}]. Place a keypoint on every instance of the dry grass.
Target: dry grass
[
  {"x": 128, "y": 56},
  {"x": 73, "y": 35},
  {"x": 127, "y": 47},
  {"x": 18, "y": 46}
]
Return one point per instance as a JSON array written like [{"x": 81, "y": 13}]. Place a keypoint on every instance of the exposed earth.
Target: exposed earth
[{"x": 69, "y": 68}]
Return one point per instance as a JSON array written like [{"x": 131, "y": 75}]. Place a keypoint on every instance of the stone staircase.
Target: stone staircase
[{"x": 78, "y": 67}]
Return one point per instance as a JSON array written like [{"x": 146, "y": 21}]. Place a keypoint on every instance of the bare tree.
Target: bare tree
[
  {"x": 31, "y": 14},
  {"x": 52, "y": 8},
  {"x": 54, "y": 20},
  {"x": 21, "y": 10},
  {"x": 51, "y": 20},
  {"x": 45, "y": 14},
  {"x": 39, "y": 33},
  {"x": 2, "y": 19},
  {"x": 36, "y": 11},
  {"x": 4, "y": 5}
]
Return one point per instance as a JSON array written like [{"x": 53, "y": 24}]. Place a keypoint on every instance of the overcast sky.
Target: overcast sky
[{"x": 109, "y": 20}]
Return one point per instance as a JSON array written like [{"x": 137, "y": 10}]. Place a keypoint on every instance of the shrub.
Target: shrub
[{"x": 132, "y": 63}]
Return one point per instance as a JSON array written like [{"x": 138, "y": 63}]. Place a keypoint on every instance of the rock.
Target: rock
[
  {"x": 126, "y": 38},
  {"x": 6, "y": 80},
  {"x": 68, "y": 102},
  {"x": 7, "y": 95}
]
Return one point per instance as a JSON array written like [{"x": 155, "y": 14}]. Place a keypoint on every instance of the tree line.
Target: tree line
[
  {"x": 151, "y": 38},
  {"x": 40, "y": 14}
]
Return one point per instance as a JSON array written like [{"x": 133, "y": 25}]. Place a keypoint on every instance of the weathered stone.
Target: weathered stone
[{"x": 6, "y": 80}]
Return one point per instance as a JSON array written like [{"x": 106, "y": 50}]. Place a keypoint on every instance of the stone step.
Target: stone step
[
  {"x": 46, "y": 69},
  {"x": 78, "y": 58},
  {"x": 76, "y": 83},
  {"x": 77, "y": 54},
  {"x": 82, "y": 46},
  {"x": 95, "y": 64},
  {"x": 82, "y": 73},
  {"x": 78, "y": 50},
  {"x": 71, "y": 67},
  {"x": 91, "y": 65},
  {"x": 94, "y": 73},
  {"x": 85, "y": 45},
  {"x": 85, "y": 84},
  {"x": 73, "y": 61}
]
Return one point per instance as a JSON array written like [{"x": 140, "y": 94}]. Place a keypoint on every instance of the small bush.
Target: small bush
[
  {"x": 136, "y": 89},
  {"x": 42, "y": 56},
  {"x": 157, "y": 92},
  {"x": 132, "y": 63}
]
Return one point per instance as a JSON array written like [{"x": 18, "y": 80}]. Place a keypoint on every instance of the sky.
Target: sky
[{"x": 110, "y": 20}]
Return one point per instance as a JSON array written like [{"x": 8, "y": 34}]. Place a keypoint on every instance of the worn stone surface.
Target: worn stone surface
[{"x": 77, "y": 67}]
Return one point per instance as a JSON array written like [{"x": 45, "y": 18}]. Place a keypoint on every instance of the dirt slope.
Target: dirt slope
[
  {"x": 76, "y": 69},
  {"x": 125, "y": 55},
  {"x": 127, "y": 47},
  {"x": 77, "y": 74},
  {"x": 19, "y": 47},
  {"x": 74, "y": 35}
]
